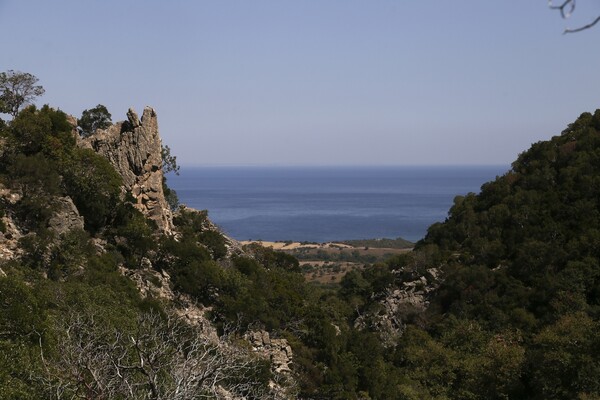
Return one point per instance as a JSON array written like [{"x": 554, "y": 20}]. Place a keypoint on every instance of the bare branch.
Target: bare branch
[
  {"x": 584, "y": 27},
  {"x": 162, "y": 358},
  {"x": 566, "y": 8},
  {"x": 567, "y": 4}
]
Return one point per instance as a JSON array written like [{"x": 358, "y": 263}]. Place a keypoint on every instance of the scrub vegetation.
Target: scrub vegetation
[{"x": 516, "y": 314}]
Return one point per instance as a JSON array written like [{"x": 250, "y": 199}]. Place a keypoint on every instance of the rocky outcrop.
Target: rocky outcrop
[
  {"x": 65, "y": 217},
  {"x": 398, "y": 304},
  {"x": 278, "y": 351},
  {"x": 155, "y": 284},
  {"x": 149, "y": 282},
  {"x": 10, "y": 232},
  {"x": 134, "y": 148}
]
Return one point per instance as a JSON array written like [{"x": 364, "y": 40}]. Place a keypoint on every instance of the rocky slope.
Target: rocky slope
[{"x": 134, "y": 147}]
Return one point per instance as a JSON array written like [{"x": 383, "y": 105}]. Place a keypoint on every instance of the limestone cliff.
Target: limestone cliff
[{"x": 134, "y": 148}]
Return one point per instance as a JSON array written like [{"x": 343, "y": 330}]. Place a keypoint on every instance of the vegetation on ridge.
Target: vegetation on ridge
[{"x": 516, "y": 314}]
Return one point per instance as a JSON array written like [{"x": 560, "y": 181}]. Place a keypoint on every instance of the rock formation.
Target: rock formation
[
  {"x": 134, "y": 148},
  {"x": 410, "y": 298},
  {"x": 10, "y": 234},
  {"x": 278, "y": 351},
  {"x": 66, "y": 217}
]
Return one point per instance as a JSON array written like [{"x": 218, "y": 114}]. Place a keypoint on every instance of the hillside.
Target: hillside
[
  {"x": 108, "y": 292},
  {"x": 516, "y": 315}
]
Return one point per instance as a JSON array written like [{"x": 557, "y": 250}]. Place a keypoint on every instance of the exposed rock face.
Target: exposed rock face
[
  {"x": 276, "y": 350},
  {"x": 410, "y": 298},
  {"x": 66, "y": 217},
  {"x": 134, "y": 148},
  {"x": 9, "y": 239},
  {"x": 150, "y": 283},
  {"x": 157, "y": 285}
]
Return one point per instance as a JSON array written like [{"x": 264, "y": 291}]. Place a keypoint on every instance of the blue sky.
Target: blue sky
[{"x": 328, "y": 82}]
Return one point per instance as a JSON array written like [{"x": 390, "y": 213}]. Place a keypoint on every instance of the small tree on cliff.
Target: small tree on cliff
[
  {"x": 17, "y": 89},
  {"x": 169, "y": 164},
  {"x": 93, "y": 119}
]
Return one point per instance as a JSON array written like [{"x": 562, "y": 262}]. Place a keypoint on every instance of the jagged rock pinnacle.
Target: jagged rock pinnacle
[{"x": 134, "y": 148}]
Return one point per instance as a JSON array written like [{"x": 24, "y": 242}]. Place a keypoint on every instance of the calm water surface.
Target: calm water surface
[{"x": 327, "y": 203}]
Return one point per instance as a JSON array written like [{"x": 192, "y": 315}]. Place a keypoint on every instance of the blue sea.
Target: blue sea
[{"x": 320, "y": 204}]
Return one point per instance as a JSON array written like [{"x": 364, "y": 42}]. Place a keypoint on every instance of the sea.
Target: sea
[{"x": 321, "y": 204}]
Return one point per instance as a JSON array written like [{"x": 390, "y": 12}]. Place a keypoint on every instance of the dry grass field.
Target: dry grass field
[{"x": 327, "y": 263}]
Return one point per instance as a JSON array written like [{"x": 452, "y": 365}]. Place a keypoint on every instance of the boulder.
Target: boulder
[{"x": 66, "y": 217}]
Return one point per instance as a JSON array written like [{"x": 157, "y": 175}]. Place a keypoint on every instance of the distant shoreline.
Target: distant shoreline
[
  {"x": 380, "y": 243},
  {"x": 290, "y": 245}
]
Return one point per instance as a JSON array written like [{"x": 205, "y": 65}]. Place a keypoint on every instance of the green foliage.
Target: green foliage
[
  {"x": 170, "y": 195},
  {"x": 169, "y": 164},
  {"x": 21, "y": 322},
  {"x": 45, "y": 130},
  {"x": 190, "y": 267},
  {"x": 20, "y": 314},
  {"x": 41, "y": 149},
  {"x": 516, "y": 315},
  {"x": 566, "y": 358},
  {"x": 28, "y": 131},
  {"x": 215, "y": 242},
  {"x": 270, "y": 258},
  {"x": 133, "y": 234},
  {"x": 169, "y": 161},
  {"x": 194, "y": 224},
  {"x": 19, "y": 365},
  {"x": 95, "y": 189},
  {"x": 536, "y": 225},
  {"x": 34, "y": 176},
  {"x": 36, "y": 248},
  {"x": 398, "y": 243},
  {"x": 94, "y": 119},
  {"x": 37, "y": 179},
  {"x": 521, "y": 256},
  {"x": 70, "y": 254},
  {"x": 190, "y": 222},
  {"x": 274, "y": 297}
]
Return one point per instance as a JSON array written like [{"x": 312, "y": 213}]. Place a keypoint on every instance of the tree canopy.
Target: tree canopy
[
  {"x": 93, "y": 119},
  {"x": 17, "y": 89}
]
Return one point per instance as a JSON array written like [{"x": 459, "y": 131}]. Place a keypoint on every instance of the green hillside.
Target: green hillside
[{"x": 500, "y": 301}]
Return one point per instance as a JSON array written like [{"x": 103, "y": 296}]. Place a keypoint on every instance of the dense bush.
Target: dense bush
[{"x": 95, "y": 189}]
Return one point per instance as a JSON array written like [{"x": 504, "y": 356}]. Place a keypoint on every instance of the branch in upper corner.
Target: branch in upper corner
[
  {"x": 567, "y": 4},
  {"x": 582, "y": 28},
  {"x": 566, "y": 8}
]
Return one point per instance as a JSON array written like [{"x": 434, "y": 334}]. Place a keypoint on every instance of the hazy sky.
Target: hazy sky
[{"x": 316, "y": 82}]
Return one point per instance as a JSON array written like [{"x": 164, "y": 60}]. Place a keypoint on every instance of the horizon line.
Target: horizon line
[{"x": 277, "y": 165}]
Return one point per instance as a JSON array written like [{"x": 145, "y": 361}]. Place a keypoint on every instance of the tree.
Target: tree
[
  {"x": 17, "y": 89},
  {"x": 169, "y": 164},
  {"x": 169, "y": 161},
  {"x": 95, "y": 188},
  {"x": 93, "y": 119}
]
